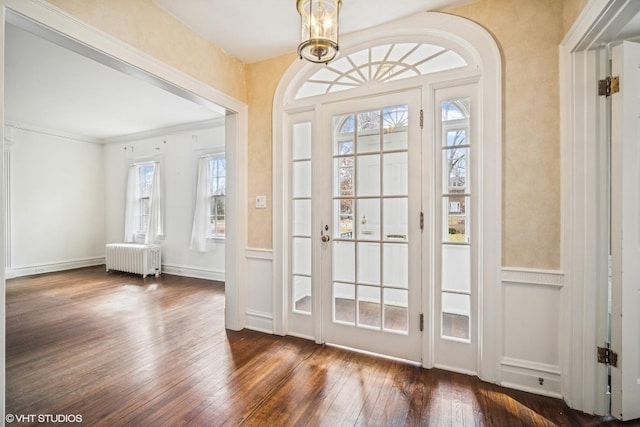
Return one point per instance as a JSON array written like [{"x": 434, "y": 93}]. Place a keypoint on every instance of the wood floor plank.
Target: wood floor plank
[{"x": 121, "y": 350}]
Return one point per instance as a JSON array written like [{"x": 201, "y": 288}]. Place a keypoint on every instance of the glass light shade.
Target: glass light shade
[{"x": 318, "y": 29}]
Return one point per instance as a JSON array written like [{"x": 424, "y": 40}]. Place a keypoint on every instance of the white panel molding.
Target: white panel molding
[
  {"x": 526, "y": 375},
  {"x": 52, "y": 267},
  {"x": 259, "y": 288},
  {"x": 530, "y": 276},
  {"x": 532, "y": 377},
  {"x": 195, "y": 272},
  {"x": 258, "y": 253}
]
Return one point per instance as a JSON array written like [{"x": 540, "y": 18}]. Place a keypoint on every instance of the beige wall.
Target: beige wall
[
  {"x": 262, "y": 79},
  {"x": 572, "y": 9},
  {"x": 528, "y": 33},
  {"x": 145, "y": 26}
]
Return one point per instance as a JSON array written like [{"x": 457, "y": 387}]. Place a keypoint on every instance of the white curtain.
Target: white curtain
[
  {"x": 131, "y": 205},
  {"x": 201, "y": 224},
  {"x": 155, "y": 225}
]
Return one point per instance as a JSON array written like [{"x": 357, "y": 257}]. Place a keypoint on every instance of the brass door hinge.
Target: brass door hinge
[
  {"x": 609, "y": 86},
  {"x": 607, "y": 356}
]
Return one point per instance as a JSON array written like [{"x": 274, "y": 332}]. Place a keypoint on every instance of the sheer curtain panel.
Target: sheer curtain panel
[{"x": 201, "y": 224}]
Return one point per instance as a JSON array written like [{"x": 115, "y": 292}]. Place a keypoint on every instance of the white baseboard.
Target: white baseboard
[
  {"x": 198, "y": 273},
  {"x": 11, "y": 273},
  {"x": 259, "y": 321},
  {"x": 527, "y": 376}
]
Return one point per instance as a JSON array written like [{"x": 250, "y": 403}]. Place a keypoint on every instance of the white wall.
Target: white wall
[
  {"x": 178, "y": 153},
  {"x": 56, "y": 203},
  {"x": 67, "y": 199}
]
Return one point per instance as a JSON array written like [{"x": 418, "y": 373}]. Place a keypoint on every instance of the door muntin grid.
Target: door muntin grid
[
  {"x": 370, "y": 209},
  {"x": 301, "y": 219},
  {"x": 455, "y": 278}
]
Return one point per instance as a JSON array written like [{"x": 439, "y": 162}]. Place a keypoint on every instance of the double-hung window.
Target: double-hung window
[
  {"x": 143, "y": 210},
  {"x": 145, "y": 187},
  {"x": 209, "y": 213},
  {"x": 217, "y": 192}
]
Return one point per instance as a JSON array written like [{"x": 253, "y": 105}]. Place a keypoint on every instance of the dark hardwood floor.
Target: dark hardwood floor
[{"x": 119, "y": 350}]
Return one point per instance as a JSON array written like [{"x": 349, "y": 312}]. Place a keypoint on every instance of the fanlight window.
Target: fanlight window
[{"x": 385, "y": 63}]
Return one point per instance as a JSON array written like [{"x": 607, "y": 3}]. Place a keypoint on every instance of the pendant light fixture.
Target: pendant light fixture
[{"x": 319, "y": 29}]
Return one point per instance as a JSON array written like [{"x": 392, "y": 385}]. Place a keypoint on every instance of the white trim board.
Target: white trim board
[
  {"x": 52, "y": 267},
  {"x": 195, "y": 272},
  {"x": 533, "y": 277}
]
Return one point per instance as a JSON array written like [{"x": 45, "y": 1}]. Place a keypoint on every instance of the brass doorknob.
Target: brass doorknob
[{"x": 325, "y": 237}]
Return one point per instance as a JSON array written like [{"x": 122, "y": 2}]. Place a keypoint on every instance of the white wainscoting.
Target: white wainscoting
[
  {"x": 531, "y": 330},
  {"x": 259, "y": 314},
  {"x": 29, "y": 270}
]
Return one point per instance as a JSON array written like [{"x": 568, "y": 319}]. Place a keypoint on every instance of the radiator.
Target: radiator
[{"x": 134, "y": 258}]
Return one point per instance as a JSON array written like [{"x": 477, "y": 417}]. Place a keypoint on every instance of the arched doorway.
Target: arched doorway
[{"x": 387, "y": 182}]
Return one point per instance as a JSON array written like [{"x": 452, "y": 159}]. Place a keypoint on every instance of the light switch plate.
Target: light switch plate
[{"x": 261, "y": 202}]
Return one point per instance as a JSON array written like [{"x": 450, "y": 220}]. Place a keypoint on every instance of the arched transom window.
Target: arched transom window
[{"x": 383, "y": 63}]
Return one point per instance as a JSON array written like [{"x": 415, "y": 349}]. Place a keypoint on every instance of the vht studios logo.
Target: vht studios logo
[{"x": 43, "y": 418}]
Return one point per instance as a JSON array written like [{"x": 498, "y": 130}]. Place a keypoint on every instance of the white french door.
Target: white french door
[
  {"x": 381, "y": 226},
  {"x": 370, "y": 219},
  {"x": 455, "y": 272},
  {"x": 625, "y": 232}
]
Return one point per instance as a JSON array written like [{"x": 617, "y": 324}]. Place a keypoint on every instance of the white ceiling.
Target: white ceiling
[
  {"x": 51, "y": 87},
  {"x": 253, "y": 30}
]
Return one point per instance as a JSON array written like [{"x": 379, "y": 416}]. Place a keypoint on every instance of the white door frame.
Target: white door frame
[
  {"x": 475, "y": 40},
  {"x": 584, "y": 216},
  {"x": 173, "y": 79},
  {"x": 404, "y": 346}
]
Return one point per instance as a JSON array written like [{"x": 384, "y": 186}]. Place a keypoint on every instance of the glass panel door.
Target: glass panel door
[
  {"x": 371, "y": 287},
  {"x": 301, "y": 259},
  {"x": 456, "y": 315}
]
